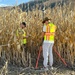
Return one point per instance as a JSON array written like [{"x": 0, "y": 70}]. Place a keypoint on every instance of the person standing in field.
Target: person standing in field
[
  {"x": 22, "y": 39},
  {"x": 48, "y": 35},
  {"x": 21, "y": 34}
]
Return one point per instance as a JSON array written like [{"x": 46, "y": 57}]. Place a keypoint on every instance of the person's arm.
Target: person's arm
[
  {"x": 24, "y": 37},
  {"x": 43, "y": 33},
  {"x": 42, "y": 38},
  {"x": 24, "y": 34}
]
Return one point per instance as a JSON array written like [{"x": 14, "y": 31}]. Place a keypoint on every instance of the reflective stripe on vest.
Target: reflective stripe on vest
[{"x": 50, "y": 32}]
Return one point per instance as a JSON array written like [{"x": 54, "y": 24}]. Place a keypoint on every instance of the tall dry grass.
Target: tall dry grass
[{"x": 62, "y": 16}]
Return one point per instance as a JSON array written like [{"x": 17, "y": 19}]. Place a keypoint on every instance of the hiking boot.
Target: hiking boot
[
  {"x": 45, "y": 68},
  {"x": 50, "y": 67}
]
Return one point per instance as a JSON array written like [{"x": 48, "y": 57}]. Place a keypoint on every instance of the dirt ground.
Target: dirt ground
[{"x": 10, "y": 69}]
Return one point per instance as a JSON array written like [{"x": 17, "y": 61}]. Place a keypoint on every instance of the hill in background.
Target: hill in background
[{"x": 40, "y": 4}]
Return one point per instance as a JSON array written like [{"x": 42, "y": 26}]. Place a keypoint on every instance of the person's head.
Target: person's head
[
  {"x": 45, "y": 21},
  {"x": 23, "y": 25}
]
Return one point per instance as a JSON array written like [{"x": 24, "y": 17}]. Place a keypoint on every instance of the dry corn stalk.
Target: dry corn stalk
[{"x": 62, "y": 17}]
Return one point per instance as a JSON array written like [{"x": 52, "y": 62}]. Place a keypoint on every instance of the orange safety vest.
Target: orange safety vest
[{"x": 50, "y": 32}]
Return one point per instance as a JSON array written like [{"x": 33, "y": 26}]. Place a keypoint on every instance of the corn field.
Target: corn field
[{"x": 62, "y": 16}]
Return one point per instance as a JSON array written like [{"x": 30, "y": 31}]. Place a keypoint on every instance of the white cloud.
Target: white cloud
[{"x": 3, "y": 5}]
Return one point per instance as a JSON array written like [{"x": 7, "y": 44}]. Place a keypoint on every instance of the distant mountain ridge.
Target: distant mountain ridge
[{"x": 40, "y": 4}]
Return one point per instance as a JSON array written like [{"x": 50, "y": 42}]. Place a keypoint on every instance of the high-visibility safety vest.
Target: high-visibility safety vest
[
  {"x": 21, "y": 33},
  {"x": 50, "y": 32}
]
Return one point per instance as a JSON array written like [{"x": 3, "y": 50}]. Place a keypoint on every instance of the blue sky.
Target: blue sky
[{"x": 12, "y": 2}]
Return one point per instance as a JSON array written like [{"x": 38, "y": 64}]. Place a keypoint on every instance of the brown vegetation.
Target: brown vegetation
[{"x": 62, "y": 17}]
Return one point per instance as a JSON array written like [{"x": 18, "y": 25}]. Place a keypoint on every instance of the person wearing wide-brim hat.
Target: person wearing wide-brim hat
[
  {"x": 48, "y": 35},
  {"x": 45, "y": 19}
]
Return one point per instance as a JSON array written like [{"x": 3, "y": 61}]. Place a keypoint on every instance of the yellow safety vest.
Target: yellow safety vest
[
  {"x": 50, "y": 32},
  {"x": 21, "y": 33}
]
